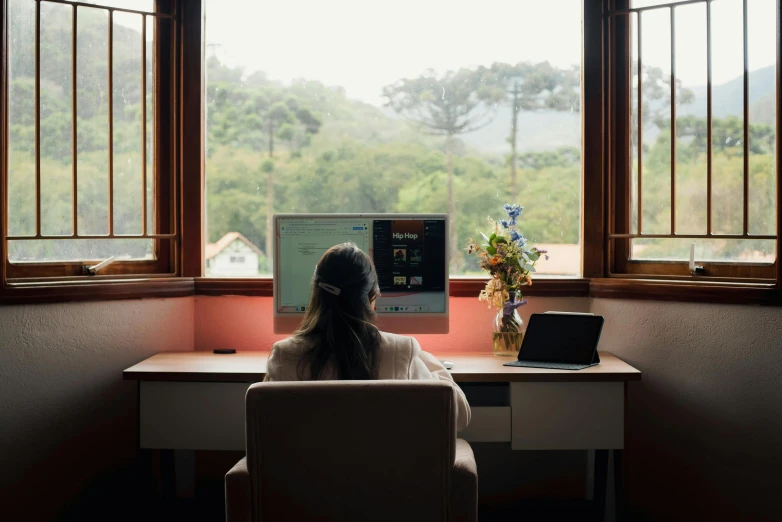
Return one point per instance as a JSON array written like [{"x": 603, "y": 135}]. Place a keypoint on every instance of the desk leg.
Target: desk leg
[
  {"x": 589, "y": 493},
  {"x": 618, "y": 498},
  {"x": 167, "y": 474},
  {"x": 600, "y": 484},
  {"x": 184, "y": 470}
]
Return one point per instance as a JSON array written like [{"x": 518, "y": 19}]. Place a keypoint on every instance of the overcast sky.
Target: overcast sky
[{"x": 363, "y": 45}]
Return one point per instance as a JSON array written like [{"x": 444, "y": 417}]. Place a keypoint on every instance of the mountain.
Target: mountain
[
  {"x": 728, "y": 98},
  {"x": 544, "y": 130}
]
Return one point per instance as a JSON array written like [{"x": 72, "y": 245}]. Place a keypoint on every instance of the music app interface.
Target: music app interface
[{"x": 409, "y": 255}]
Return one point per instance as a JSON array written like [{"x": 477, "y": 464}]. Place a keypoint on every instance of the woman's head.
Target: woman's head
[
  {"x": 345, "y": 278},
  {"x": 338, "y": 320}
]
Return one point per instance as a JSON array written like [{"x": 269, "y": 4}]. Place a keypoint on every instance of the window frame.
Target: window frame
[
  {"x": 72, "y": 274},
  {"x": 619, "y": 263}
]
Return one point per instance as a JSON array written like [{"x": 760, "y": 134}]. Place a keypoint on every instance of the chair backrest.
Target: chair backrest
[{"x": 350, "y": 450}]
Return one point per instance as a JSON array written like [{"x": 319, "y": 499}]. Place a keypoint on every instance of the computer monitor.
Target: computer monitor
[{"x": 410, "y": 252}]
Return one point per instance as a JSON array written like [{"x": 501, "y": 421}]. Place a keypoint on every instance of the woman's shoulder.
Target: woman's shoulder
[
  {"x": 396, "y": 355},
  {"x": 290, "y": 345},
  {"x": 396, "y": 342}
]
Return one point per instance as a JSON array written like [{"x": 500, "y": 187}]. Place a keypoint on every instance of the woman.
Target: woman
[{"x": 337, "y": 340}]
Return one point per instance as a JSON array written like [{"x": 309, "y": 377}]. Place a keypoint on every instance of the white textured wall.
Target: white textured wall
[
  {"x": 705, "y": 423},
  {"x": 67, "y": 419}
]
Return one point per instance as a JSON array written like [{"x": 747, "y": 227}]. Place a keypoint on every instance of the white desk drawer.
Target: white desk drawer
[
  {"x": 567, "y": 415},
  {"x": 192, "y": 415}
]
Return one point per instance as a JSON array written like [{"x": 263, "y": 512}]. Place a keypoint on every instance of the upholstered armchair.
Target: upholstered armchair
[{"x": 352, "y": 451}]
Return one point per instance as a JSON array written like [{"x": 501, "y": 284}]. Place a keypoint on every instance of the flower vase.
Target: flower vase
[{"x": 507, "y": 332}]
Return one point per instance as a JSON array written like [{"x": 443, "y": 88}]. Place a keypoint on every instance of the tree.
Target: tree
[
  {"x": 529, "y": 87},
  {"x": 656, "y": 98},
  {"x": 561, "y": 157},
  {"x": 455, "y": 103},
  {"x": 273, "y": 110}
]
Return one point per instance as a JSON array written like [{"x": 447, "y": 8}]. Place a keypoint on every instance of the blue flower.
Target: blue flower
[
  {"x": 510, "y": 306},
  {"x": 505, "y": 224},
  {"x": 517, "y": 238},
  {"x": 514, "y": 211}
]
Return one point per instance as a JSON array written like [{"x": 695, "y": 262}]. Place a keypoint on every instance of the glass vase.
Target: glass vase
[{"x": 507, "y": 332}]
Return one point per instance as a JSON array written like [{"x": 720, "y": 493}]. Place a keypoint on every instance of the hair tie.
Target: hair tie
[{"x": 330, "y": 288}]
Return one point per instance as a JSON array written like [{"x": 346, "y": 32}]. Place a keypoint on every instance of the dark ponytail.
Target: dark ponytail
[{"x": 338, "y": 322}]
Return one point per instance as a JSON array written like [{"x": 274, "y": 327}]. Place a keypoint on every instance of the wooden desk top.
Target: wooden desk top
[{"x": 467, "y": 367}]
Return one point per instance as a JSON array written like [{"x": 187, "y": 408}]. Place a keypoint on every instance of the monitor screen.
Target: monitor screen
[{"x": 409, "y": 252}]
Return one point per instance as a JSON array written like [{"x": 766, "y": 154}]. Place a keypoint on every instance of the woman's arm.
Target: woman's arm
[{"x": 426, "y": 366}]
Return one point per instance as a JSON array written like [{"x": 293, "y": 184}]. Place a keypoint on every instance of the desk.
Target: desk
[{"x": 195, "y": 401}]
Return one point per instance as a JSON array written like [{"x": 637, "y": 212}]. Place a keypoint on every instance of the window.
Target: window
[
  {"x": 124, "y": 134},
  {"x": 407, "y": 107},
  {"x": 87, "y": 138},
  {"x": 693, "y": 142}
]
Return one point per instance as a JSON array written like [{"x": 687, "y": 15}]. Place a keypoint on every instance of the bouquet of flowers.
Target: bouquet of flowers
[{"x": 508, "y": 260}]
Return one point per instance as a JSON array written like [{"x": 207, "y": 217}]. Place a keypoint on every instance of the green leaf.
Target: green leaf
[
  {"x": 534, "y": 255},
  {"x": 491, "y": 250}
]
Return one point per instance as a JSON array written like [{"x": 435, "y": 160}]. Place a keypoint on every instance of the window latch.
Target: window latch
[
  {"x": 94, "y": 269},
  {"x": 695, "y": 269}
]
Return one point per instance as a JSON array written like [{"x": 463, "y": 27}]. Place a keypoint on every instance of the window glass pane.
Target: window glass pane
[
  {"x": 56, "y": 120},
  {"x": 656, "y": 119},
  {"x": 150, "y": 123},
  {"x": 92, "y": 83},
  {"x": 21, "y": 118},
  {"x": 148, "y": 6},
  {"x": 727, "y": 108},
  {"x": 691, "y": 171},
  {"x": 343, "y": 117},
  {"x": 79, "y": 250},
  {"x": 761, "y": 22},
  {"x": 634, "y": 122},
  {"x": 648, "y": 3},
  {"x": 127, "y": 123},
  {"x": 715, "y": 250}
]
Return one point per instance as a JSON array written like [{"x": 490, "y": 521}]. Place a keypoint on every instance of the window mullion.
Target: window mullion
[
  {"x": 709, "y": 137},
  {"x": 37, "y": 118},
  {"x": 74, "y": 132},
  {"x": 111, "y": 122}
]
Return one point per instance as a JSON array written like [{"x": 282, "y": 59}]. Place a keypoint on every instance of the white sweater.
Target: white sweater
[{"x": 398, "y": 357}]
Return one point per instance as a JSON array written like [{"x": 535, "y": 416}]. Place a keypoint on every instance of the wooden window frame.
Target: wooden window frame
[
  {"x": 600, "y": 278},
  {"x": 162, "y": 276},
  {"x": 19, "y": 278},
  {"x": 621, "y": 276}
]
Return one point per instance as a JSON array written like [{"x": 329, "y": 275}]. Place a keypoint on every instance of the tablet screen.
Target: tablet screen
[{"x": 561, "y": 338}]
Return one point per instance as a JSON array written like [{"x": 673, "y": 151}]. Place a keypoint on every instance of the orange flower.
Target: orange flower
[{"x": 496, "y": 260}]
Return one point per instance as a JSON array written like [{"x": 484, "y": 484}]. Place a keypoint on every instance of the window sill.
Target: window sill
[
  {"x": 687, "y": 291},
  {"x": 611, "y": 288},
  {"x": 28, "y": 293},
  {"x": 459, "y": 287}
]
